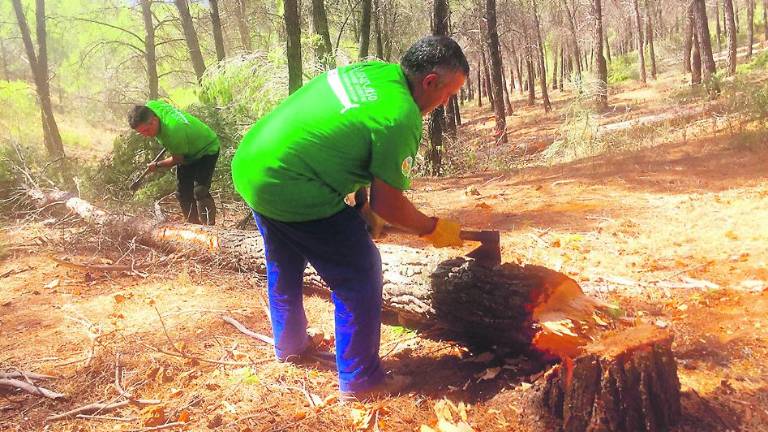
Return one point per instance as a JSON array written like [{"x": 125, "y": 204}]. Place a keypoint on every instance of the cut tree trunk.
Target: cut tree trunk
[
  {"x": 495, "y": 306},
  {"x": 624, "y": 381}
]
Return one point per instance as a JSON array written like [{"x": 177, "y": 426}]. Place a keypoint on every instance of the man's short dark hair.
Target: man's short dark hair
[
  {"x": 432, "y": 52},
  {"x": 140, "y": 114}
]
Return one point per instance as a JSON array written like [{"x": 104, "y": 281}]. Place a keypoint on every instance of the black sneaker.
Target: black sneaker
[
  {"x": 391, "y": 385},
  {"x": 311, "y": 355}
]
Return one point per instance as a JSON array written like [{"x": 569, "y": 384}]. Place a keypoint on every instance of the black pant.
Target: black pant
[{"x": 193, "y": 189}]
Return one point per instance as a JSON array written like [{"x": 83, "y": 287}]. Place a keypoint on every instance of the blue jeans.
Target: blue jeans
[{"x": 341, "y": 250}]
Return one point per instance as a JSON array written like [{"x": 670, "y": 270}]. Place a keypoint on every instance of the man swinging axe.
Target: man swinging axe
[{"x": 194, "y": 149}]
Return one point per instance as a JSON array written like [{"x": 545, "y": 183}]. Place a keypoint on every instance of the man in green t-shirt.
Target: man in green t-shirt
[
  {"x": 194, "y": 149},
  {"x": 350, "y": 127}
]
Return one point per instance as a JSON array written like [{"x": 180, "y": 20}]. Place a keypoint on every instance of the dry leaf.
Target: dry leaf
[
  {"x": 489, "y": 374},
  {"x": 174, "y": 393},
  {"x": 731, "y": 235},
  {"x": 119, "y": 298},
  {"x": 53, "y": 284},
  {"x": 483, "y": 205},
  {"x": 362, "y": 420},
  {"x": 299, "y": 415},
  {"x": 153, "y": 415},
  {"x": 183, "y": 416},
  {"x": 599, "y": 320}
]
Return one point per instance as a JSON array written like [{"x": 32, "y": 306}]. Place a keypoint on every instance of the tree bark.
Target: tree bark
[
  {"x": 507, "y": 100},
  {"x": 717, "y": 26},
  {"x": 293, "y": 44},
  {"x": 705, "y": 46},
  {"x": 624, "y": 382},
  {"x": 531, "y": 82},
  {"x": 750, "y": 27},
  {"x": 38, "y": 63},
  {"x": 601, "y": 97},
  {"x": 190, "y": 35},
  {"x": 377, "y": 29},
  {"x": 242, "y": 25},
  {"x": 487, "y": 80},
  {"x": 555, "y": 56},
  {"x": 640, "y": 44},
  {"x": 218, "y": 37},
  {"x": 688, "y": 38},
  {"x": 730, "y": 32},
  {"x": 149, "y": 49},
  {"x": 497, "y": 85},
  {"x": 574, "y": 41},
  {"x": 437, "y": 117},
  {"x": 696, "y": 61},
  {"x": 479, "y": 86},
  {"x": 456, "y": 111},
  {"x": 320, "y": 23},
  {"x": 541, "y": 59},
  {"x": 649, "y": 38},
  {"x": 365, "y": 29}
]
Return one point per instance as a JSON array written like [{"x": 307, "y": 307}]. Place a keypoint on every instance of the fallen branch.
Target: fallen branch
[
  {"x": 30, "y": 388},
  {"x": 26, "y": 375},
  {"x": 98, "y": 267},
  {"x": 102, "y": 407},
  {"x": 318, "y": 357},
  {"x": 97, "y": 417}
]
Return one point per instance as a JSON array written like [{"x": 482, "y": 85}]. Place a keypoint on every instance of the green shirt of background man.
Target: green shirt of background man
[
  {"x": 182, "y": 133},
  {"x": 331, "y": 137}
]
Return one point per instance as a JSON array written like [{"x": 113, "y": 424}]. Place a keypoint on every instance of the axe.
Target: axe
[
  {"x": 489, "y": 251},
  {"x": 136, "y": 183}
]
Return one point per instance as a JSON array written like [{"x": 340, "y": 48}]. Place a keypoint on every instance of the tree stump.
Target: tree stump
[{"x": 624, "y": 381}]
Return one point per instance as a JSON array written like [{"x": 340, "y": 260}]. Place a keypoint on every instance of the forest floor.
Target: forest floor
[{"x": 673, "y": 232}]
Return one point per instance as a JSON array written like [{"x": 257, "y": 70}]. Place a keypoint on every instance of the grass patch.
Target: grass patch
[{"x": 758, "y": 62}]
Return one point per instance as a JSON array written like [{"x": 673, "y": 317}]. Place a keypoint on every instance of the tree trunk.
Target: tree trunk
[
  {"x": 377, "y": 29},
  {"x": 640, "y": 44},
  {"x": 705, "y": 46},
  {"x": 696, "y": 61},
  {"x": 149, "y": 48},
  {"x": 601, "y": 98},
  {"x": 242, "y": 25},
  {"x": 293, "y": 44},
  {"x": 717, "y": 26},
  {"x": 607, "y": 48},
  {"x": 623, "y": 382},
  {"x": 437, "y": 118},
  {"x": 218, "y": 37},
  {"x": 555, "y": 55},
  {"x": 38, "y": 63},
  {"x": 479, "y": 86},
  {"x": 730, "y": 32},
  {"x": 450, "y": 119},
  {"x": 575, "y": 52},
  {"x": 507, "y": 100},
  {"x": 487, "y": 80},
  {"x": 750, "y": 27},
  {"x": 562, "y": 68},
  {"x": 688, "y": 39},
  {"x": 190, "y": 35},
  {"x": 457, "y": 111},
  {"x": 497, "y": 85},
  {"x": 531, "y": 82},
  {"x": 320, "y": 22},
  {"x": 365, "y": 29},
  {"x": 649, "y": 37},
  {"x": 542, "y": 59},
  {"x": 765, "y": 21}
]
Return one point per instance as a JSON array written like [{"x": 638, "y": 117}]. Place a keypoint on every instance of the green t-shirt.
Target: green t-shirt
[
  {"x": 328, "y": 139},
  {"x": 182, "y": 133}
]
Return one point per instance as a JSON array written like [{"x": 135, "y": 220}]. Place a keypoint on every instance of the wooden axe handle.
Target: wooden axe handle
[{"x": 135, "y": 184}]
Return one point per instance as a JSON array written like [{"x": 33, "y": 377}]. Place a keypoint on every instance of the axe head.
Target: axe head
[{"x": 489, "y": 251}]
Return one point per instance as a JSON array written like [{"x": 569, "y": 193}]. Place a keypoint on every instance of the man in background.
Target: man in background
[{"x": 193, "y": 147}]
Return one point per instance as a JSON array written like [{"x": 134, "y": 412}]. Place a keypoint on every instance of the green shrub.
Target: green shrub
[
  {"x": 758, "y": 62},
  {"x": 623, "y": 68}
]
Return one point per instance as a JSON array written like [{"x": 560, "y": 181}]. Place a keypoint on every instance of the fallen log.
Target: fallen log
[{"x": 509, "y": 305}]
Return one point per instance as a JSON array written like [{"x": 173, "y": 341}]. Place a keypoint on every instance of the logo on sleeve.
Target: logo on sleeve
[{"x": 407, "y": 166}]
